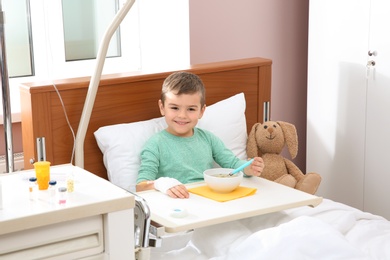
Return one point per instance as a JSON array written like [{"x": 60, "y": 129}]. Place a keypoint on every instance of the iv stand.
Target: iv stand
[
  {"x": 9, "y": 155},
  {"x": 94, "y": 83}
]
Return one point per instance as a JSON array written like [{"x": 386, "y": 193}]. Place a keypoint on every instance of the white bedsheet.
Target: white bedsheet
[{"x": 330, "y": 231}]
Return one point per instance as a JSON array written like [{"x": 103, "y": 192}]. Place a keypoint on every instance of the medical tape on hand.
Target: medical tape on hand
[{"x": 163, "y": 184}]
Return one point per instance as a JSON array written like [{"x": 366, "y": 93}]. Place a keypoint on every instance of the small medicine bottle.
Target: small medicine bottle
[
  {"x": 62, "y": 194},
  {"x": 70, "y": 182},
  {"x": 52, "y": 191},
  {"x": 32, "y": 187}
]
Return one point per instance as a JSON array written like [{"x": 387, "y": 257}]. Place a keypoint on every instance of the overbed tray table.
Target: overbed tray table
[{"x": 202, "y": 212}]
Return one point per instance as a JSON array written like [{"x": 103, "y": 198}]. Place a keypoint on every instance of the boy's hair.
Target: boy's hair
[{"x": 183, "y": 83}]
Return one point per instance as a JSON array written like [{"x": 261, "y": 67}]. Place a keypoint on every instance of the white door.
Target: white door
[
  {"x": 338, "y": 44},
  {"x": 377, "y": 168}
]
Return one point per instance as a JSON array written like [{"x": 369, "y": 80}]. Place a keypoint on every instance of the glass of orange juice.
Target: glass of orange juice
[{"x": 42, "y": 172}]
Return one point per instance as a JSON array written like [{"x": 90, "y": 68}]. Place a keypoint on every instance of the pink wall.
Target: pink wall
[{"x": 277, "y": 29}]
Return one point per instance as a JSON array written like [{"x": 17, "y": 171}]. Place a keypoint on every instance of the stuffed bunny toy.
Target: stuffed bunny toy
[{"x": 267, "y": 140}]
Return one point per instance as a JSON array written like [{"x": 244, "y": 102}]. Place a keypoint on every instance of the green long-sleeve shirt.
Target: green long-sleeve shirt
[{"x": 184, "y": 158}]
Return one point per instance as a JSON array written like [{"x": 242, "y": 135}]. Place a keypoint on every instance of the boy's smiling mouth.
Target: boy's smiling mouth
[{"x": 181, "y": 122}]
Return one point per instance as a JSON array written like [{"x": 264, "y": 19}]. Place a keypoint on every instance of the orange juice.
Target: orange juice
[{"x": 42, "y": 172}]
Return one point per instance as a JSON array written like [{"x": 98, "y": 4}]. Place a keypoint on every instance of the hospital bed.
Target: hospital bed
[{"x": 126, "y": 105}]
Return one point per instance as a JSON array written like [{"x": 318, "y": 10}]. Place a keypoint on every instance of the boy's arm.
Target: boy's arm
[
  {"x": 145, "y": 185},
  {"x": 169, "y": 186}
]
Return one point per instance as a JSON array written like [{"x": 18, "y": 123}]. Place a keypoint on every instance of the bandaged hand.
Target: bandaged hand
[
  {"x": 163, "y": 184},
  {"x": 171, "y": 187}
]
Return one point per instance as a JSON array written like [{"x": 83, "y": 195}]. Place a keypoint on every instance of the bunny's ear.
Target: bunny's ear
[
  {"x": 290, "y": 137},
  {"x": 251, "y": 146}
]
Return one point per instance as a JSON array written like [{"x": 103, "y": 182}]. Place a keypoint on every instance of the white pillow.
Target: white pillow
[
  {"x": 226, "y": 119},
  {"x": 121, "y": 144}
]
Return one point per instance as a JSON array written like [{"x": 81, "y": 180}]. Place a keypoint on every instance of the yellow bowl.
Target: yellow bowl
[{"x": 218, "y": 179}]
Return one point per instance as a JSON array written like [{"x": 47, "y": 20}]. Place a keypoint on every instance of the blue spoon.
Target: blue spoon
[{"x": 241, "y": 167}]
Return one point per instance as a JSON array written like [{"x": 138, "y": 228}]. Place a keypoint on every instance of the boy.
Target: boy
[{"x": 180, "y": 153}]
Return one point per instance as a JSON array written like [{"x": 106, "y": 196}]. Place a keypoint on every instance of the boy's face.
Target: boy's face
[{"x": 181, "y": 112}]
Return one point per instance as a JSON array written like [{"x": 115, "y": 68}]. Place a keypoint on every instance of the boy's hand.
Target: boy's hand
[
  {"x": 256, "y": 167},
  {"x": 179, "y": 191},
  {"x": 171, "y": 187}
]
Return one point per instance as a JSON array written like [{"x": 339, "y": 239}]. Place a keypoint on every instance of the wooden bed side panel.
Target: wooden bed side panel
[
  {"x": 264, "y": 91},
  {"x": 63, "y": 138},
  {"x": 36, "y": 122},
  {"x": 124, "y": 98},
  {"x": 222, "y": 85},
  {"x": 142, "y": 105},
  {"x": 27, "y": 127}
]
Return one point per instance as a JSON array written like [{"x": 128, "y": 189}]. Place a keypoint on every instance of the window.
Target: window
[
  {"x": 70, "y": 35},
  {"x": 84, "y": 23},
  {"x": 62, "y": 38},
  {"x": 17, "y": 29}
]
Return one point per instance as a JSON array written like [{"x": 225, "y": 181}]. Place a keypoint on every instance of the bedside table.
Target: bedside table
[{"x": 95, "y": 223}]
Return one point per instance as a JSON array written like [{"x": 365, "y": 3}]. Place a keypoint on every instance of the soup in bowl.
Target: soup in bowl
[{"x": 219, "y": 180}]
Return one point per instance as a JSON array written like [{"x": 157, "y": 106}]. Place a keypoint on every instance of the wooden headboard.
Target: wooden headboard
[{"x": 123, "y": 98}]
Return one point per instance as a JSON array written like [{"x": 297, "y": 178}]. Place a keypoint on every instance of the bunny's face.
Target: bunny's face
[{"x": 270, "y": 137}]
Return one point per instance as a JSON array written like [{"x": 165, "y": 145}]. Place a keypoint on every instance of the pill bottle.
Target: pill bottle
[
  {"x": 70, "y": 182},
  {"x": 32, "y": 187},
  {"x": 52, "y": 191},
  {"x": 62, "y": 195}
]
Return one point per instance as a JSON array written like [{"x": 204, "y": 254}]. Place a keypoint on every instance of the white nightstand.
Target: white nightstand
[{"x": 95, "y": 223}]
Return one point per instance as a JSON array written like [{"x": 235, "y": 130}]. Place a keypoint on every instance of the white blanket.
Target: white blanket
[{"x": 330, "y": 231}]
